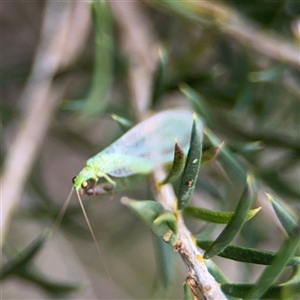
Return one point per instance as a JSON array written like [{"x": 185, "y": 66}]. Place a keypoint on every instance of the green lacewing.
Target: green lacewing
[{"x": 146, "y": 146}]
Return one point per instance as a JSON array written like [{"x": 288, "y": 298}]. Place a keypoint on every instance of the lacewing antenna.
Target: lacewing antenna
[
  {"x": 96, "y": 243},
  {"x": 61, "y": 212},
  {"x": 59, "y": 219}
]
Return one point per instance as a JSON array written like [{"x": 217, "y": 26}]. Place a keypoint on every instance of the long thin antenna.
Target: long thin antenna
[
  {"x": 61, "y": 213},
  {"x": 97, "y": 245}
]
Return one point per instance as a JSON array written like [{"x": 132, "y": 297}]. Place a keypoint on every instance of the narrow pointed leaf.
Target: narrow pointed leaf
[
  {"x": 149, "y": 211},
  {"x": 177, "y": 166},
  {"x": 160, "y": 76},
  {"x": 295, "y": 277},
  {"x": 285, "y": 217},
  {"x": 277, "y": 183},
  {"x": 25, "y": 257},
  {"x": 210, "y": 154},
  {"x": 188, "y": 294},
  {"x": 53, "y": 288},
  {"x": 220, "y": 217},
  {"x": 218, "y": 275},
  {"x": 166, "y": 267},
  {"x": 167, "y": 217},
  {"x": 123, "y": 123},
  {"x": 246, "y": 148},
  {"x": 235, "y": 290},
  {"x": 216, "y": 271},
  {"x": 197, "y": 100},
  {"x": 101, "y": 81},
  {"x": 248, "y": 255},
  {"x": 165, "y": 226},
  {"x": 192, "y": 165},
  {"x": 268, "y": 75},
  {"x": 270, "y": 273},
  {"x": 236, "y": 172},
  {"x": 236, "y": 222},
  {"x": 275, "y": 292}
]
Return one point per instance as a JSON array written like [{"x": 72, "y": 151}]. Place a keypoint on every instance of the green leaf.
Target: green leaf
[
  {"x": 216, "y": 272},
  {"x": 236, "y": 222},
  {"x": 210, "y": 154},
  {"x": 166, "y": 270},
  {"x": 169, "y": 218},
  {"x": 246, "y": 148},
  {"x": 285, "y": 217},
  {"x": 161, "y": 76},
  {"x": 198, "y": 101},
  {"x": 177, "y": 166},
  {"x": 192, "y": 165},
  {"x": 220, "y": 217},
  {"x": 53, "y": 288},
  {"x": 165, "y": 226},
  {"x": 188, "y": 294},
  {"x": 270, "y": 273},
  {"x": 248, "y": 255},
  {"x": 147, "y": 210},
  {"x": 295, "y": 277},
  {"x": 124, "y": 124},
  {"x": 275, "y": 292},
  {"x": 21, "y": 266},
  {"x": 218, "y": 275},
  {"x": 101, "y": 81},
  {"x": 272, "y": 74},
  {"x": 161, "y": 221},
  {"x": 236, "y": 172},
  {"x": 275, "y": 181},
  {"x": 25, "y": 257}
]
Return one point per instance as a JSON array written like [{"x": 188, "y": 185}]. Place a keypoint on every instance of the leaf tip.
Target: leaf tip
[
  {"x": 125, "y": 200},
  {"x": 182, "y": 87},
  {"x": 170, "y": 238},
  {"x": 269, "y": 196},
  {"x": 206, "y": 256},
  {"x": 256, "y": 210},
  {"x": 250, "y": 179}
]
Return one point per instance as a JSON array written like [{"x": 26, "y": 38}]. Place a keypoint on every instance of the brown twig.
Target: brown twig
[
  {"x": 187, "y": 249},
  {"x": 194, "y": 288},
  {"x": 39, "y": 100},
  {"x": 238, "y": 27},
  {"x": 141, "y": 50}
]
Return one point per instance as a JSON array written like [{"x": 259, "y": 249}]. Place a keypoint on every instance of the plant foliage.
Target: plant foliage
[{"x": 238, "y": 191}]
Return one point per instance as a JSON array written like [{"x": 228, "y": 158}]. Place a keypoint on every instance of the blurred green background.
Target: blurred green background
[{"x": 67, "y": 66}]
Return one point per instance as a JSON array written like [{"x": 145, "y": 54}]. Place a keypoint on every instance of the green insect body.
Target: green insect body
[{"x": 140, "y": 150}]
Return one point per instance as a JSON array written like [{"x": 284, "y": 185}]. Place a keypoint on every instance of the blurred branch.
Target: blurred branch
[
  {"x": 141, "y": 50},
  {"x": 271, "y": 139},
  {"x": 40, "y": 98},
  {"x": 187, "y": 249},
  {"x": 137, "y": 39},
  {"x": 235, "y": 25}
]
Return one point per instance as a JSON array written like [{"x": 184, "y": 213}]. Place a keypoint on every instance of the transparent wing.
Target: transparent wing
[{"x": 147, "y": 145}]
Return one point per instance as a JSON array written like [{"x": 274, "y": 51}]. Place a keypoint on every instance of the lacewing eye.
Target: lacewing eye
[
  {"x": 84, "y": 184},
  {"x": 73, "y": 180}
]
